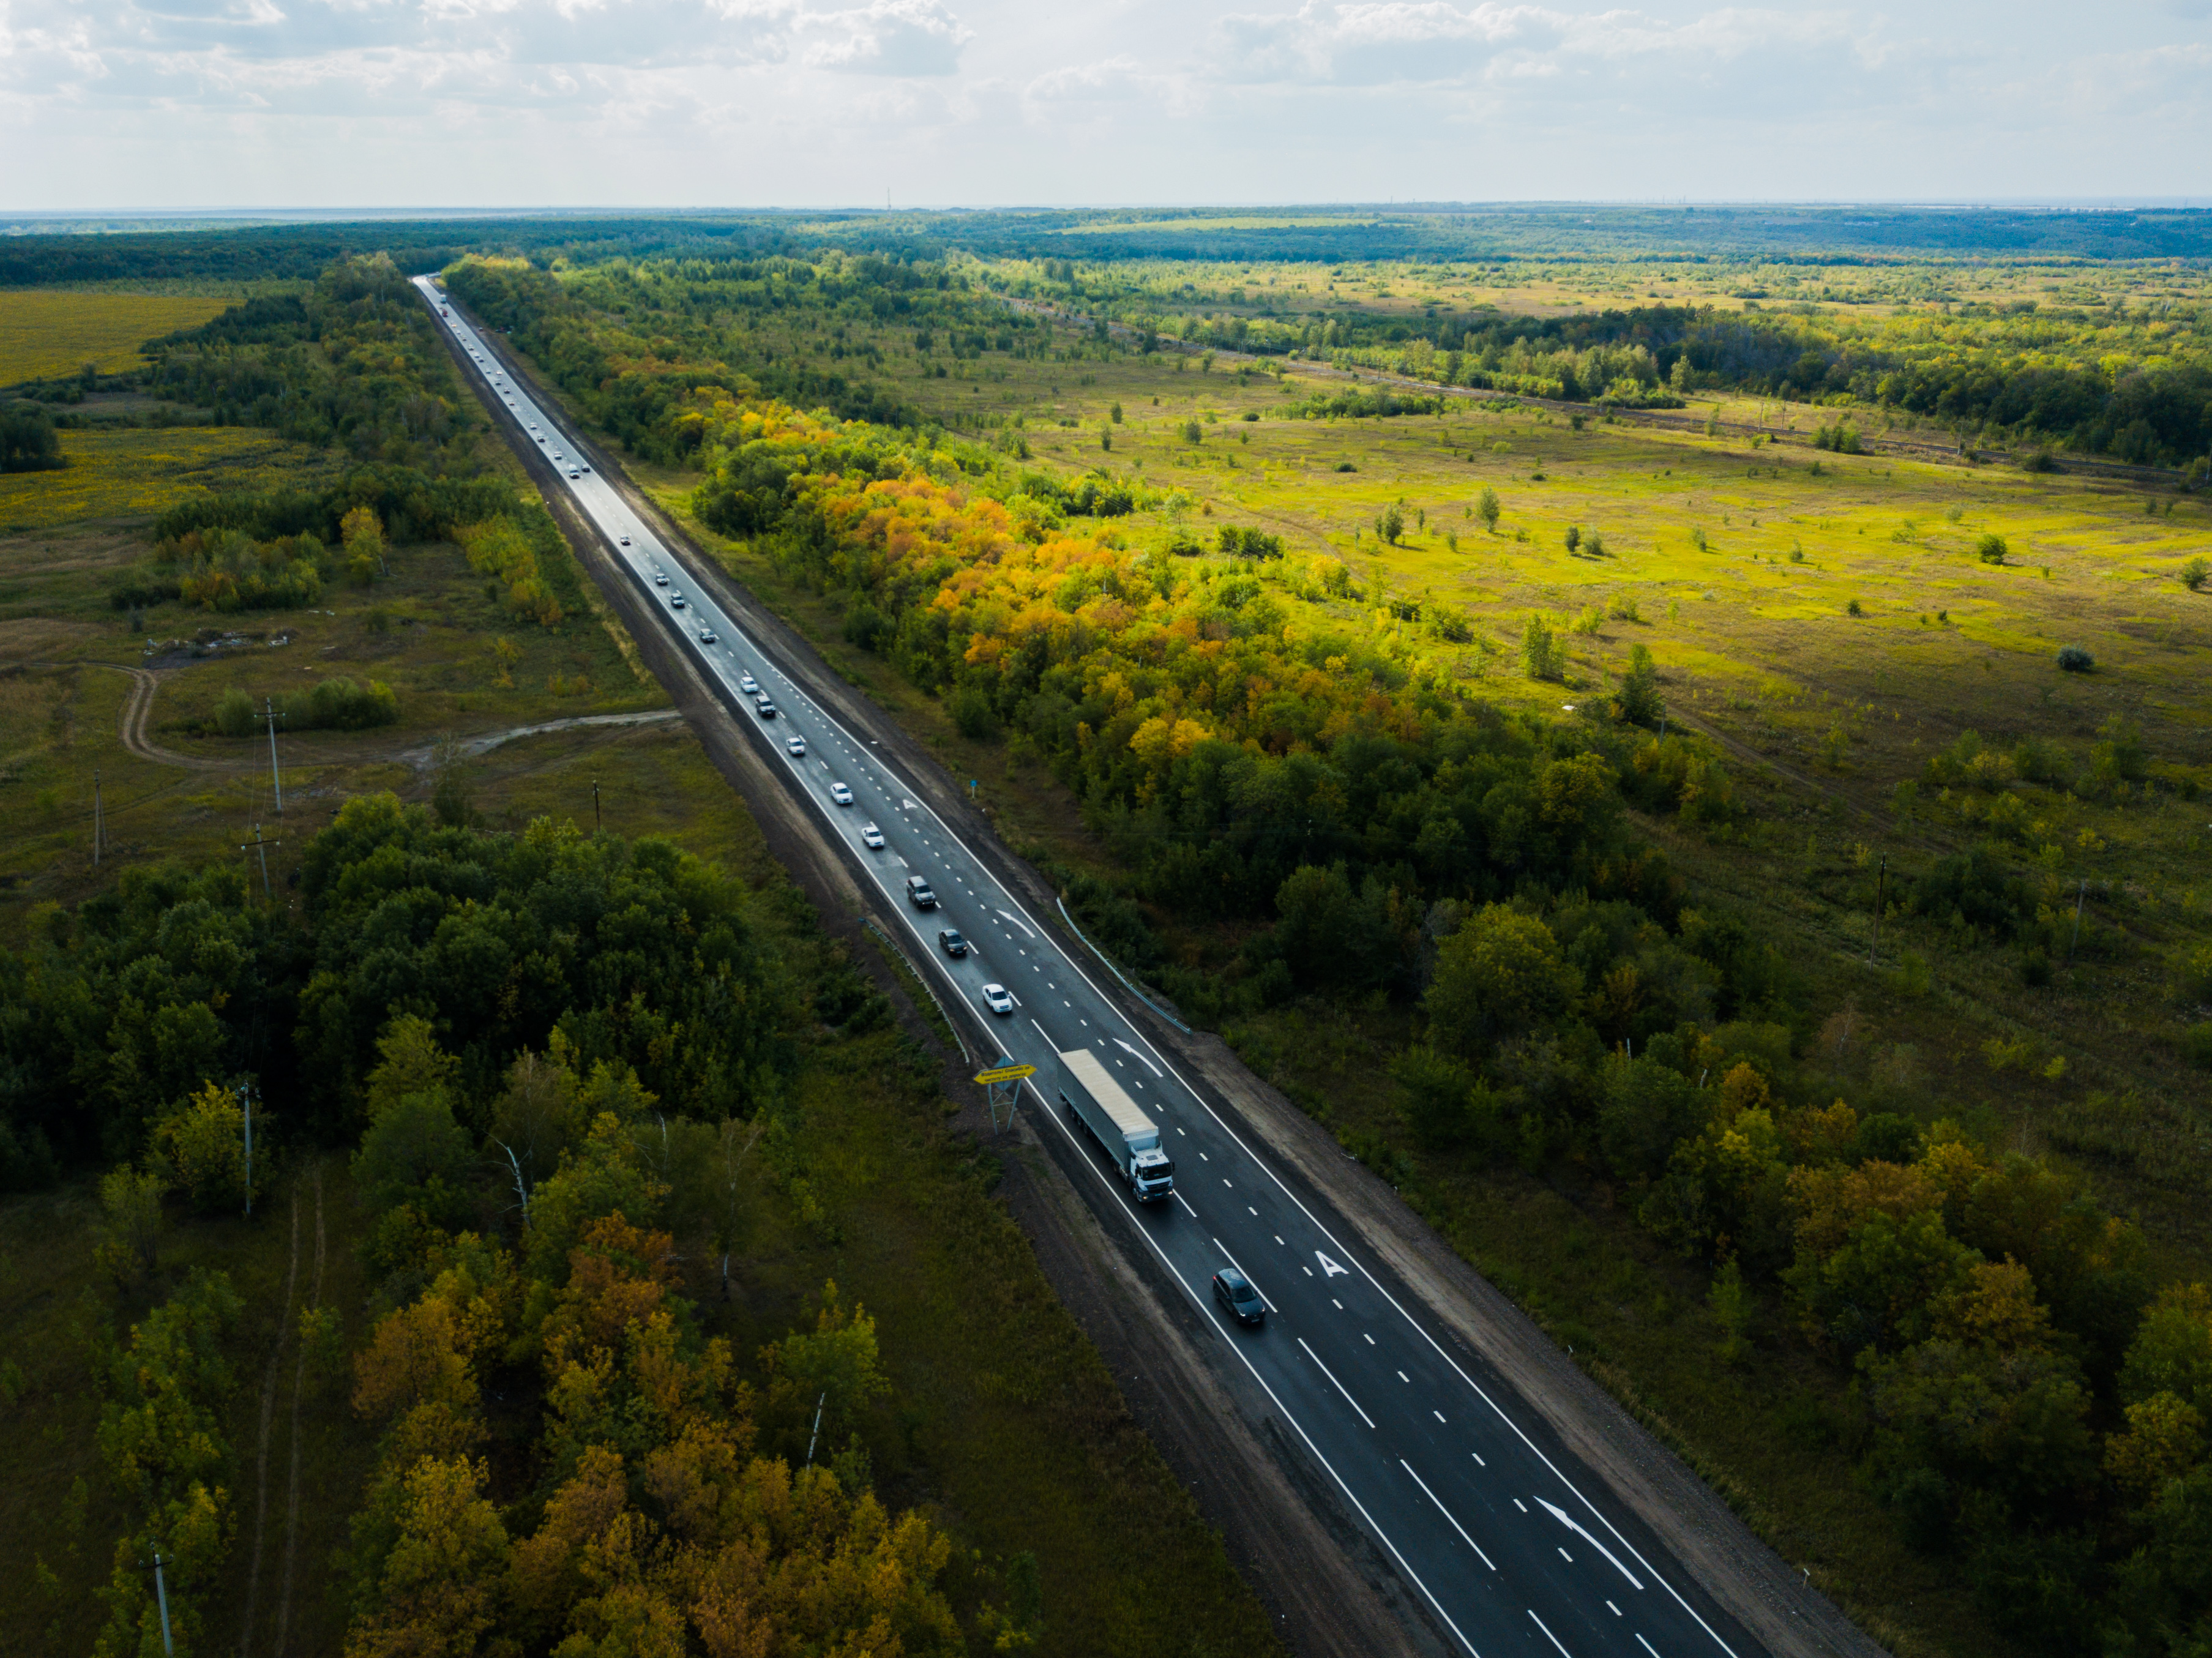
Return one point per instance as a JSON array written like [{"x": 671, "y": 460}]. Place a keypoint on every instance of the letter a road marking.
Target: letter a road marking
[{"x": 1329, "y": 1268}]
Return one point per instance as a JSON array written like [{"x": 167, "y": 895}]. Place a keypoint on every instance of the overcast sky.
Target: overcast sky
[{"x": 110, "y": 104}]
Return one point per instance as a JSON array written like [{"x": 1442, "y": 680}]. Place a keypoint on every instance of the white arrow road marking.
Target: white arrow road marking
[
  {"x": 1133, "y": 1054},
  {"x": 1567, "y": 1520},
  {"x": 1015, "y": 920},
  {"x": 1329, "y": 1268}
]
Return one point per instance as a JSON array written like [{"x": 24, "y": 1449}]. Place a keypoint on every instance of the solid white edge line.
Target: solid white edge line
[
  {"x": 1548, "y": 1636},
  {"x": 1339, "y": 1385},
  {"x": 1446, "y": 1512},
  {"x": 1205, "y": 1307},
  {"x": 981, "y": 864}
]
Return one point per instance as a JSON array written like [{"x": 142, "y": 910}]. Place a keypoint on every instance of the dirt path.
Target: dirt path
[
  {"x": 261, "y": 1441},
  {"x": 422, "y": 758},
  {"x": 135, "y": 727},
  {"x": 292, "y": 1493}
]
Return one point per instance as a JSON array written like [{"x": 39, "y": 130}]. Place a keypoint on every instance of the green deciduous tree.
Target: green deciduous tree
[
  {"x": 131, "y": 1222},
  {"x": 1501, "y": 974}
]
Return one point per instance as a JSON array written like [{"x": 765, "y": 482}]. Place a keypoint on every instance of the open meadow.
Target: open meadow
[{"x": 47, "y": 335}]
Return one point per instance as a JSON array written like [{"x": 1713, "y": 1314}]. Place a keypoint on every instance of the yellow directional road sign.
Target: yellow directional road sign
[{"x": 1005, "y": 1073}]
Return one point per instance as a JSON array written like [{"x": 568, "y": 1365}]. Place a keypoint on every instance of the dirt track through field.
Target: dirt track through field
[
  {"x": 261, "y": 1441},
  {"x": 292, "y": 1494},
  {"x": 135, "y": 728}
]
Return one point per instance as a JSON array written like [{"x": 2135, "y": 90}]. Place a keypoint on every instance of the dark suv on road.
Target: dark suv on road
[
  {"x": 917, "y": 888},
  {"x": 1235, "y": 1291}
]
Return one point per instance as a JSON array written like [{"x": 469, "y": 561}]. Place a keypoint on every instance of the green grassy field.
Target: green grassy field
[
  {"x": 428, "y": 631},
  {"x": 44, "y": 334}
]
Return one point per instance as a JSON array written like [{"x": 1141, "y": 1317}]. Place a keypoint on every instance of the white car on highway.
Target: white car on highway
[
  {"x": 872, "y": 837},
  {"x": 748, "y": 685},
  {"x": 996, "y": 998},
  {"x": 841, "y": 795},
  {"x": 797, "y": 745}
]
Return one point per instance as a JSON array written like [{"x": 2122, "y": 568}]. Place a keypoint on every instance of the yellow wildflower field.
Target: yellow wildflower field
[
  {"x": 136, "y": 472},
  {"x": 44, "y": 334}
]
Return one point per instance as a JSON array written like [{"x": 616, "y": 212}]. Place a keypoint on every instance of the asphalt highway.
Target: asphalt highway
[{"x": 1513, "y": 1546}]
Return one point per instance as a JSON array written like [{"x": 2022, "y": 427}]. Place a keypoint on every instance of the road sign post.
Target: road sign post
[{"x": 1002, "y": 1089}]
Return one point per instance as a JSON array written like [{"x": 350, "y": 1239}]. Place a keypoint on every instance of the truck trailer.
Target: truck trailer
[{"x": 1088, "y": 1090}]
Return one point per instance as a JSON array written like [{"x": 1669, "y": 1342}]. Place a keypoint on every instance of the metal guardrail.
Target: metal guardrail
[
  {"x": 1116, "y": 972},
  {"x": 930, "y": 990}
]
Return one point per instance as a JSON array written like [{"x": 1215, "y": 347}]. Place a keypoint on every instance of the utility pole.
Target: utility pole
[
  {"x": 817, "y": 1434},
  {"x": 246, "y": 1093},
  {"x": 99, "y": 821},
  {"x": 596, "y": 825},
  {"x": 258, "y": 844},
  {"x": 162, "y": 1594},
  {"x": 275, "y": 779},
  {"x": 2079, "y": 899},
  {"x": 1881, "y": 887}
]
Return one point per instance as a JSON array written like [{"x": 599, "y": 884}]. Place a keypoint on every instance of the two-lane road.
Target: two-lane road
[{"x": 1513, "y": 1546}]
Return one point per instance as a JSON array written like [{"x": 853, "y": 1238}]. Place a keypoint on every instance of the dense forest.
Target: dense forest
[
  {"x": 552, "y": 1051},
  {"x": 354, "y": 364},
  {"x": 45, "y": 253}
]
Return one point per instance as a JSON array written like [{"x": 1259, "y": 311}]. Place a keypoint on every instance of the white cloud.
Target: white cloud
[
  {"x": 124, "y": 102},
  {"x": 887, "y": 37}
]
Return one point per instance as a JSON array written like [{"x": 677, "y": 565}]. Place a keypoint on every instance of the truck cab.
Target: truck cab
[
  {"x": 1120, "y": 1125},
  {"x": 1152, "y": 1174}
]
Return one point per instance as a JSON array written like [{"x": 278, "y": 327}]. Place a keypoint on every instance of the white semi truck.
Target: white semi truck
[{"x": 1088, "y": 1090}]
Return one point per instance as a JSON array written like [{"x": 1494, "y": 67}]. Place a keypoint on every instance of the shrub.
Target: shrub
[
  {"x": 1250, "y": 544},
  {"x": 1855, "y": 608},
  {"x": 1433, "y": 1094},
  {"x": 865, "y": 626},
  {"x": 2072, "y": 659},
  {"x": 2039, "y": 461},
  {"x": 1991, "y": 549},
  {"x": 971, "y": 710},
  {"x": 341, "y": 705},
  {"x": 234, "y": 714},
  {"x": 2196, "y": 1045},
  {"x": 1541, "y": 655},
  {"x": 2195, "y": 573},
  {"x": 2193, "y": 974}
]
